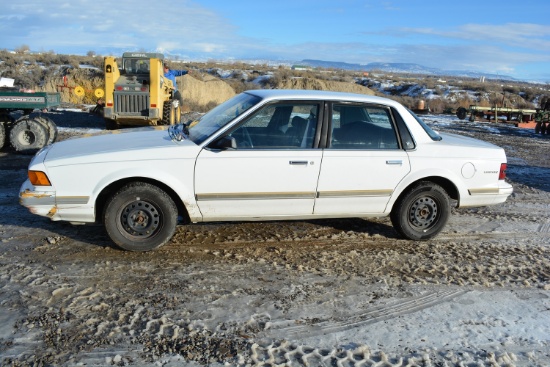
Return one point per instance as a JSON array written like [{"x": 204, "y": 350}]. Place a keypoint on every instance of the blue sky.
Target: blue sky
[{"x": 506, "y": 37}]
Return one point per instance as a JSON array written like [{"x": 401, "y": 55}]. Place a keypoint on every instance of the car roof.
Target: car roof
[{"x": 298, "y": 94}]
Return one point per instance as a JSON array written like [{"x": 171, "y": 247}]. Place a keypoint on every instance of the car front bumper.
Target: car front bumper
[{"x": 48, "y": 204}]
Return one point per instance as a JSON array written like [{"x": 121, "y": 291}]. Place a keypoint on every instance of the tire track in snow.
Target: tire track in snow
[{"x": 373, "y": 315}]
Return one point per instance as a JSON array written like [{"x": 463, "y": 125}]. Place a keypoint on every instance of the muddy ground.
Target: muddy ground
[{"x": 301, "y": 293}]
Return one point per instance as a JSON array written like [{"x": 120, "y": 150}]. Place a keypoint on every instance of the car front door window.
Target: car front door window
[{"x": 279, "y": 126}]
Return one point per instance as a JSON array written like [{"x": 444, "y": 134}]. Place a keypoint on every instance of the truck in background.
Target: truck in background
[{"x": 26, "y": 134}]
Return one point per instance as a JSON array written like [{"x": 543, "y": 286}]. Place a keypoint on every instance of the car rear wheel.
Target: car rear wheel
[
  {"x": 140, "y": 217},
  {"x": 422, "y": 212}
]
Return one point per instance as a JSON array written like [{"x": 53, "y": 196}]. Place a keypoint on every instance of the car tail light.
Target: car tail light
[
  {"x": 502, "y": 173},
  {"x": 39, "y": 178}
]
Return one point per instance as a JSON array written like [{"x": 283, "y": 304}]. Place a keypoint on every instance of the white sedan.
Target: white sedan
[{"x": 268, "y": 155}]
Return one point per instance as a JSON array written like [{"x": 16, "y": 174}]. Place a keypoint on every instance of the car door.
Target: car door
[
  {"x": 363, "y": 161},
  {"x": 268, "y": 168}
]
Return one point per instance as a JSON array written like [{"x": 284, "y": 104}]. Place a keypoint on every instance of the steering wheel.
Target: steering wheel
[{"x": 243, "y": 138}]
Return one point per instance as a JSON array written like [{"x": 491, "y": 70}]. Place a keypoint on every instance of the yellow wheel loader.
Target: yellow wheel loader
[{"x": 137, "y": 93}]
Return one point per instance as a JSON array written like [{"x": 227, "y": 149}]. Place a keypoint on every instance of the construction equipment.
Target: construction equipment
[
  {"x": 137, "y": 93},
  {"x": 26, "y": 134}
]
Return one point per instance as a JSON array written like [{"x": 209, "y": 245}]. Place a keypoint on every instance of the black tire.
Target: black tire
[
  {"x": 50, "y": 126},
  {"x": 2, "y": 134},
  {"x": 461, "y": 113},
  {"x": 111, "y": 124},
  {"x": 5, "y": 121},
  {"x": 167, "y": 113},
  {"x": 421, "y": 212},
  {"x": 28, "y": 136},
  {"x": 140, "y": 217}
]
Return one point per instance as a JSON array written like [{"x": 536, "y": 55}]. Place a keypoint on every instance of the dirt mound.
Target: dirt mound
[
  {"x": 317, "y": 84},
  {"x": 88, "y": 79},
  {"x": 202, "y": 95},
  {"x": 209, "y": 92}
]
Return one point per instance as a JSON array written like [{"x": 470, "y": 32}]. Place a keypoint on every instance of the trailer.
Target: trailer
[
  {"x": 26, "y": 134},
  {"x": 537, "y": 119},
  {"x": 492, "y": 113}
]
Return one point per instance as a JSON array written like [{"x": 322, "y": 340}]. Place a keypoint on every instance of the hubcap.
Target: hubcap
[
  {"x": 423, "y": 213},
  {"x": 140, "y": 219}
]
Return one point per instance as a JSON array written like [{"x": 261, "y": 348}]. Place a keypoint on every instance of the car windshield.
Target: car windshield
[
  {"x": 220, "y": 116},
  {"x": 433, "y": 135}
]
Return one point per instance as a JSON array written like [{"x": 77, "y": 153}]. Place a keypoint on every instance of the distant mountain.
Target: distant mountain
[{"x": 405, "y": 68}]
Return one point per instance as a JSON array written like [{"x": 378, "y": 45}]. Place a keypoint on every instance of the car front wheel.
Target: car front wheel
[
  {"x": 140, "y": 217},
  {"x": 422, "y": 211}
]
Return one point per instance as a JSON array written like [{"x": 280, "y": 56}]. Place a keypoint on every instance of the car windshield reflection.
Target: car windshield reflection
[{"x": 221, "y": 116}]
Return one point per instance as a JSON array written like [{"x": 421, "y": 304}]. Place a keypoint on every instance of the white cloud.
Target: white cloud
[
  {"x": 187, "y": 28},
  {"x": 209, "y": 47},
  {"x": 524, "y": 35},
  {"x": 102, "y": 22}
]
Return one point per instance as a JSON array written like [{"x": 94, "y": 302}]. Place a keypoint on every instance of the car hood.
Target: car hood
[{"x": 137, "y": 144}]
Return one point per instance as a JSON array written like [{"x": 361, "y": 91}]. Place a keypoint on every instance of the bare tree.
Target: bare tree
[{"x": 23, "y": 49}]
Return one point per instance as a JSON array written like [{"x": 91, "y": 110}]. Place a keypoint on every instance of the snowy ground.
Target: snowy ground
[{"x": 302, "y": 293}]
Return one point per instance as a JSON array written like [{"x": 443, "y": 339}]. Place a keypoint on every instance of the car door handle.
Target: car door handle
[
  {"x": 298, "y": 163},
  {"x": 396, "y": 162}
]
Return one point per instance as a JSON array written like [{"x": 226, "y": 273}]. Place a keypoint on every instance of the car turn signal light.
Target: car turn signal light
[
  {"x": 502, "y": 173},
  {"x": 39, "y": 178}
]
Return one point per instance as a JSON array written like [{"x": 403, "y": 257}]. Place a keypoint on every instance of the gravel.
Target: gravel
[{"x": 343, "y": 292}]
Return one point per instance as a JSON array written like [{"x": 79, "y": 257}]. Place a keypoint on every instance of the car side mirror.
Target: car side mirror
[{"x": 225, "y": 142}]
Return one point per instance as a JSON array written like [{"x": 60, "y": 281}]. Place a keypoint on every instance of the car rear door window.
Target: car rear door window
[{"x": 362, "y": 127}]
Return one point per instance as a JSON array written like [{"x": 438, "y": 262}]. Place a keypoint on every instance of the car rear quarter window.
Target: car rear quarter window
[
  {"x": 432, "y": 134},
  {"x": 407, "y": 140}
]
